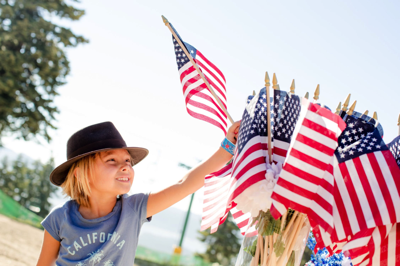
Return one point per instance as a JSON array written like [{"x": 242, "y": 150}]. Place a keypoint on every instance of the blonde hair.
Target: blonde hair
[{"x": 77, "y": 186}]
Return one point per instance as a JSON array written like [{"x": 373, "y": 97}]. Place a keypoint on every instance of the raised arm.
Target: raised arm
[{"x": 193, "y": 180}]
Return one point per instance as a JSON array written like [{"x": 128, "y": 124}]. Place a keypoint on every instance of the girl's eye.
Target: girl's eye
[{"x": 112, "y": 160}]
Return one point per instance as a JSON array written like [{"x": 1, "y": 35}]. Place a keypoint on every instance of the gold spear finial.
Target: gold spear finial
[
  {"x": 316, "y": 93},
  {"x": 375, "y": 116},
  {"x": 292, "y": 87},
  {"x": 275, "y": 83},
  {"x": 307, "y": 95},
  {"x": 346, "y": 103},
  {"x": 366, "y": 112},
  {"x": 338, "y": 108},
  {"x": 352, "y": 107},
  {"x": 165, "y": 20},
  {"x": 267, "y": 83},
  {"x": 254, "y": 93}
]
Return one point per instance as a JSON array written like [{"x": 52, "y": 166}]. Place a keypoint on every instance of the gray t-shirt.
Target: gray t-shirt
[{"x": 108, "y": 240}]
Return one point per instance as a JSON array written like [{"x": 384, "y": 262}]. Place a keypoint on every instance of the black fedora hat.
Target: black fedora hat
[{"x": 92, "y": 139}]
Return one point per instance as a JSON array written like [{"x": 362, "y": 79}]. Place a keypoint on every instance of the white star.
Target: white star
[
  {"x": 360, "y": 130},
  {"x": 351, "y": 152},
  {"x": 378, "y": 146},
  {"x": 351, "y": 125}
]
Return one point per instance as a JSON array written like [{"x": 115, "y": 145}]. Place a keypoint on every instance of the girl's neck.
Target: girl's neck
[{"x": 99, "y": 207}]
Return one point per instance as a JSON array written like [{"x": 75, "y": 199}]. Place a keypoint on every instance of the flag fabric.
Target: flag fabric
[
  {"x": 285, "y": 113},
  {"x": 394, "y": 148},
  {"x": 248, "y": 167},
  {"x": 305, "y": 183},
  {"x": 367, "y": 182},
  {"x": 200, "y": 103}
]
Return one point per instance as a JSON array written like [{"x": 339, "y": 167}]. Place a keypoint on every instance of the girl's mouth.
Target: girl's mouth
[{"x": 123, "y": 179}]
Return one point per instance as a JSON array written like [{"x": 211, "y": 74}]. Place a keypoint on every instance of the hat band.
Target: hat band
[{"x": 99, "y": 145}]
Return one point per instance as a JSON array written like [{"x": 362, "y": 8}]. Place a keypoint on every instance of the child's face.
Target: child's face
[{"x": 113, "y": 172}]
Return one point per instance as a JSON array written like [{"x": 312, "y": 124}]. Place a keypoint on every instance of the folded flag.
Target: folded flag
[{"x": 200, "y": 102}]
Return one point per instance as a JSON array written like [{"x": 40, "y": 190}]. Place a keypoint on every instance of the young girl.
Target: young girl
[{"x": 100, "y": 225}]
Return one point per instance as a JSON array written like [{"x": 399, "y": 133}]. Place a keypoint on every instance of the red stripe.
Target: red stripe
[
  {"x": 255, "y": 148},
  {"x": 221, "y": 172},
  {"x": 198, "y": 53},
  {"x": 207, "y": 119},
  {"x": 328, "y": 115},
  {"x": 299, "y": 173},
  {"x": 394, "y": 169},
  {"x": 210, "y": 99},
  {"x": 310, "y": 160},
  {"x": 368, "y": 191},
  {"x": 188, "y": 72},
  {"x": 383, "y": 185},
  {"x": 342, "y": 213},
  {"x": 210, "y": 80},
  {"x": 320, "y": 129},
  {"x": 250, "y": 181},
  {"x": 208, "y": 109},
  {"x": 279, "y": 151},
  {"x": 353, "y": 196},
  {"x": 314, "y": 144}
]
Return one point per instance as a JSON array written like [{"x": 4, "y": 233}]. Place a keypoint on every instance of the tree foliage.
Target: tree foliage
[
  {"x": 28, "y": 184},
  {"x": 222, "y": 246},
  {"x": 33, "y": 63}
]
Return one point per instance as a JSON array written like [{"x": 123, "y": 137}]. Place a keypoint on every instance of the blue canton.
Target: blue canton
[
  {"x": 254, "y": 120},
  {"x": 359, "y": 137},
  {"x": 285, "y": 115},
  {"x": 394, "y": 147}
]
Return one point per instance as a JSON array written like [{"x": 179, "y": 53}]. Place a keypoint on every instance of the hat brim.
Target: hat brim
[{"x": 58, "y": 175}]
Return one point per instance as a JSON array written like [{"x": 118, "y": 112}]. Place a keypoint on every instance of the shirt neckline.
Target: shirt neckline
[{"x": 115, "y": 210}]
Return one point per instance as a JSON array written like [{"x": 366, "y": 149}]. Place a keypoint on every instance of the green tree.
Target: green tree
[
  {"x": 33, "y": 63},
  {"x": 223, "y": 245},
  {"x": 28, "y": 184}
]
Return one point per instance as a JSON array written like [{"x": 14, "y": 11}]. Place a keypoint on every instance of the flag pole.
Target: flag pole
[
  {"x": 166, "y": 22},
  {"x": 398, "y": 123},
  {"x": 267, "y": 84}
]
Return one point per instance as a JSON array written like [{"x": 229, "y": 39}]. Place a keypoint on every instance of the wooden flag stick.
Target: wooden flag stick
[
  {"x": 260, "y": 239},
  {"x": 346, "y": 103},
  {"x": 316, "y": 94},
  {"x": 289, "y": 224},
  {"x": 352, "y": 107},
  {"x": 264, "y": 262},
  {"x": 292, "y": 88},
  {"x": 338, "y": 108},
  {"x": 267, "y": 84},
  {"x": 166, "y": 22},
  {"x": 398, "y": 123}
]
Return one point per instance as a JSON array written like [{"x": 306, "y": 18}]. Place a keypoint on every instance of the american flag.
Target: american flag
[
  {"x": 367, "y": 183},
  {"x": 285, "y": 113},
  {"x": 394, "y": 148},
  {"x": 200, "y": 103},
  {"x": 366, "y": 198},
  {"x": 305, "y": 183},
  {"x": 248, "y": 168}
]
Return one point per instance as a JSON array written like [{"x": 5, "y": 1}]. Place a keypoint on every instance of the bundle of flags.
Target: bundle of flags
[{"x": 336, "y": 168}]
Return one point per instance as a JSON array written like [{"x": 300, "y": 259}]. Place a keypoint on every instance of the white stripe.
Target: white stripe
[
  {"x": 338, "y": 223},
  {"x": 304, "y": 166},
  {"x": 365, "y": 263},
  {"x": 221, "y": 176},
  {"x": 251, "y": 142},
  {"x": 188, "y": 77},
  {"x": 376, "y": 237},
  {"x": 390, "y": 183},
  {"x": 356, "y": 243},
  {"x": 359, "y": 259},
  {"x": 218, "y": 211},
  {"x": 207, "y": 102},
  {"x": 378, "y": 197},
  {"x": 324, "y": 122},
  {"x": 192, "y": 86},
  {"x": 216, "y": 83},
  {"x": 391, "y": 249},
  {"x": 201, "y": 111},
  {"x": 281, "y": 144},
  {"x": 360, "y": 192},
  {"x": 310, "y": 151},
  {"x": 185, "y": 67},
  {"x": 216, "y": 197},
  {"x": 278, "y": 158},
  {"x": 346, "y": 198},
  {"x": 302, "y": 201},
  {"x": 297, "y": 181},
  {"x": 314, "y": 135},
  {"x": 279, "y": 207}
]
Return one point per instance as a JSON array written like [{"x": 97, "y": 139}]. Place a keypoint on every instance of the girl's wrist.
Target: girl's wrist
[{"x": 228, "y": 146}]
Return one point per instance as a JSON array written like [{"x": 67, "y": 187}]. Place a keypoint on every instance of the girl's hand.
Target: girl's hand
[{"x": 233, "y": 132}]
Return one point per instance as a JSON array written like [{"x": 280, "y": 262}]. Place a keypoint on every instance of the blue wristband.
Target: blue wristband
[{"x": 228, "y": 146}]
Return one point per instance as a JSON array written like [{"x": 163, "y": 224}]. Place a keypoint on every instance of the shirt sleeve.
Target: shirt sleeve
[
  {"x": 52, "y": 223},
  {"x": 139, "y": 204}
]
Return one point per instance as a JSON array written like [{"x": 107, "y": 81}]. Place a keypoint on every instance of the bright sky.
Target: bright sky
[{"x": 127, "y": 73}]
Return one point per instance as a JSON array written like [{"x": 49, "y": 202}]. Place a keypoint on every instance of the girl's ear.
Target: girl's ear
[{"x": 76, "y": 172}]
